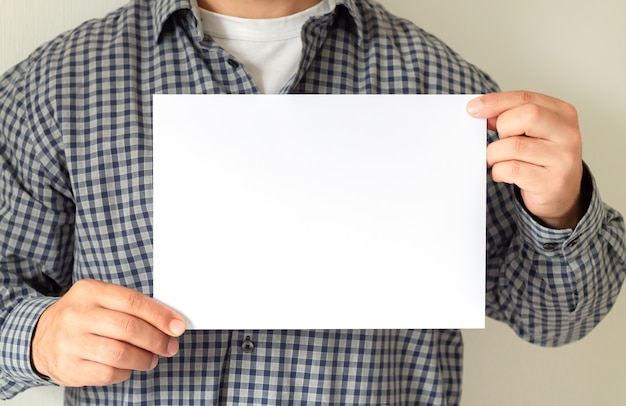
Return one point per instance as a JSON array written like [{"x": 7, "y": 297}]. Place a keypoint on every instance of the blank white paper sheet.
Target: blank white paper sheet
[{"x": 319, "y": 211}]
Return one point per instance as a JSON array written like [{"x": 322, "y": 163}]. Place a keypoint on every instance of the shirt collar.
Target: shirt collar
[
  {"x": 164, "y": 10},
  {"x": 354, "y": 12}
]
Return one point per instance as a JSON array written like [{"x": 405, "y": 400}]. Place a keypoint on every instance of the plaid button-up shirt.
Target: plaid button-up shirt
[{"x": 76, "y": 202}]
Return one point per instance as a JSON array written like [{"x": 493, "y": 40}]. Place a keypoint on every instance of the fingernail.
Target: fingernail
[
  {"x": 155, "y": 361},
  {"x": 172, "y": 346},
  {"x": 474, "y": 107},
  {"x": 177, "y": 327}
]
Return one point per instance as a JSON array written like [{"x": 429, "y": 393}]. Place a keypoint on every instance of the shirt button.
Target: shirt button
[
  {"x": 233, "y": 63},
  {"x": 247, "y": 345},
  {"x": 572, "y": 243},
  {"x": 549, "y": 246}
]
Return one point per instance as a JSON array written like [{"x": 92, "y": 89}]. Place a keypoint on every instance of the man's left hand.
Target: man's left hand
[{"x": 539, "y": 150}]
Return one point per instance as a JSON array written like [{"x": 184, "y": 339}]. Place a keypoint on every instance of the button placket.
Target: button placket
[{"x": 247, "y": 345}]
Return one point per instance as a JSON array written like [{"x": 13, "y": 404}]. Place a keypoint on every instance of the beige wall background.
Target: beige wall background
[{"x": 575, "y": 50}]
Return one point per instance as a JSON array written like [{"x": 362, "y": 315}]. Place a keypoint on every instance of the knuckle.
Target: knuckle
[
  {"x": 509, "y": 171},
  {"x": 87, "y": 284},
  {"x": 572, "y": 164},
  {"x": 534, "y": 113},
  {"x": 519, "y": 145},
  {"x": 134, "y": 301},
  {"x": 574, "y": 139},
  {"x": 570, "y": 111},
  {"x": 526, "y": 96},
  {"x": 129, "y": 326},
  {"x": 144, "y": 308},
  {"x": 515, "y": 170},
  {"x": 82, "y": 287},
  {"x": 71, "y": 314},
  {"x": 108, "y": 353},
  {"x": 116, "y": 354}
]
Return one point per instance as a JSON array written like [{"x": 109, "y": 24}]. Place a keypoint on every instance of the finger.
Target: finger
[
  {"x": 122, "y": 299},
  {"x": 118, "y": 354},
  {"x": 129, "y": 329},
  {"x": 525, "y": 149},
  {"x": 494, "y": 104},
  {"x": 538, "y": 122},
  {"x": 528, "y": 177}
]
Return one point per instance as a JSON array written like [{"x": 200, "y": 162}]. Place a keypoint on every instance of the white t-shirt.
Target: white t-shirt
[{"x": 270, "y": 49}]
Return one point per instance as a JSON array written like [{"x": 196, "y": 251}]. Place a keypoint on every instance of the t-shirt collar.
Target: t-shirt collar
[{"x": 164, "y": 10}]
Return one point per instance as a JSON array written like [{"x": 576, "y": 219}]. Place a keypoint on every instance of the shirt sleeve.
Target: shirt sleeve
[
  {"x": 36, "y": 224},
  {"x": 552, "y": 286}
]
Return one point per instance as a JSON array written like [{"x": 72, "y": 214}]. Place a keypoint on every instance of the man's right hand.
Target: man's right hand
[{"x": 98, "y": 333}]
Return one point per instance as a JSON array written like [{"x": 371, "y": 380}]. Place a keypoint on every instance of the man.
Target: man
[{"x": 75, "y": 252}]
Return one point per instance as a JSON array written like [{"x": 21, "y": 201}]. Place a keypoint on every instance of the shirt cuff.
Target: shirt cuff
[
  {"x": 16, "y": 341},
  {"x": 562, "y": 242}
]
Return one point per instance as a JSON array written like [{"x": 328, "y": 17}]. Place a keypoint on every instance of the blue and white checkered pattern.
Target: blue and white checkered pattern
[{"x": 76, "y": 202}]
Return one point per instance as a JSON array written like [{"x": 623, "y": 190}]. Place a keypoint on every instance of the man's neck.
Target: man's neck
[{"x": 257, "y": 8}]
